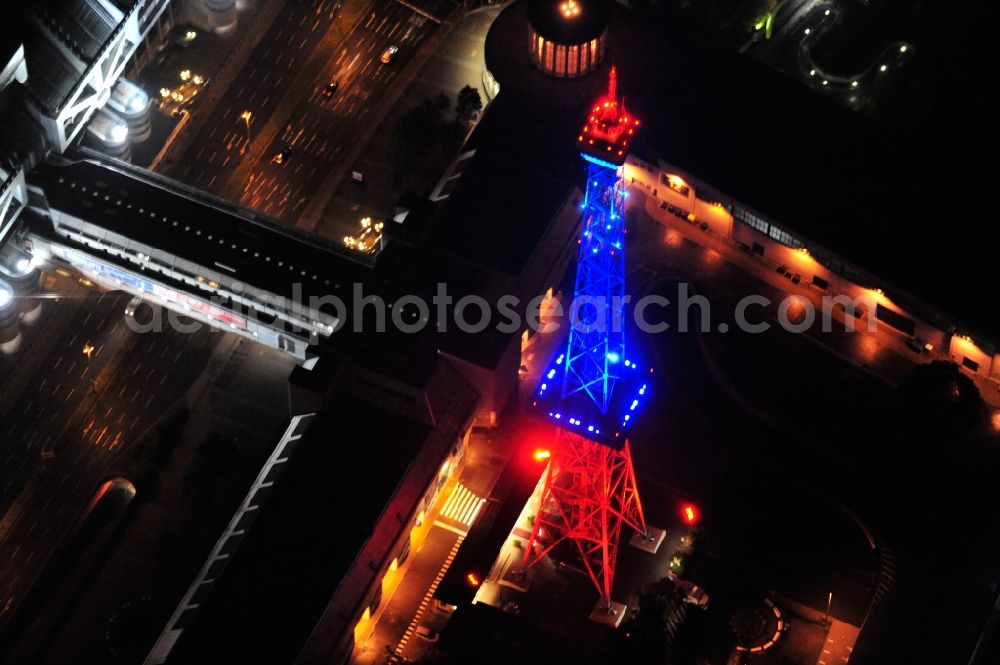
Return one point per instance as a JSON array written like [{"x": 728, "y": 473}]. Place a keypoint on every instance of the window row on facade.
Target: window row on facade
[{"x": 567, "y": 61}]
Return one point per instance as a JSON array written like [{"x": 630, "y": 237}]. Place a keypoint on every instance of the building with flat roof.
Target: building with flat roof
[{"x": 298, "y": 576}]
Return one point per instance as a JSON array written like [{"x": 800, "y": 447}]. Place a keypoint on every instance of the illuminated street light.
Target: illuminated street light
[
  {"x": 245, "y": 117},
  {"x": 902, "y": 49},
  {"x": 367, "y": 239},
  {"x": 473, "y": 580},
  {"x": 808, "y": 31},
  {"x": 88, "y": 350},
  {"x": 882, "y": 68},
  {"x": 854, "y": 84},
  {"x": 542, "y": 455}
]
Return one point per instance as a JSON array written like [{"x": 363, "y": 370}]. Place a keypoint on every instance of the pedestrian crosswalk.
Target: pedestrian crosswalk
[{"x": 462, "y": 506}]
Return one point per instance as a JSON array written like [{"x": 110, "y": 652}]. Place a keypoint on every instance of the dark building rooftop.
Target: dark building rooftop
[
  {"x": 307, "y": 561},
  {"x": 510, "y": 191},
  {"x": 173, "y": 219},
  {"x": 305, "y": 539},
  {"x": 10, "y": 41},
  {"x": 23, "y": 141},
  {"x": 51, "y": 77},
  {"x": 83, "y": 25}
]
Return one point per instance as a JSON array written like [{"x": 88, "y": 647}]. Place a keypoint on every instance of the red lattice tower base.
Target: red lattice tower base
[{"x": 590, "y": 491}]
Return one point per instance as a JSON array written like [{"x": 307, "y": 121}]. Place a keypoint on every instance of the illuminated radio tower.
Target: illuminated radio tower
[{"x": 593, "y": 389}]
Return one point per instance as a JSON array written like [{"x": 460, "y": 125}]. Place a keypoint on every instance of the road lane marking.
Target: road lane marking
[
  {"x": 448, "y": 527},
  {"x": 411, "y": 628}
]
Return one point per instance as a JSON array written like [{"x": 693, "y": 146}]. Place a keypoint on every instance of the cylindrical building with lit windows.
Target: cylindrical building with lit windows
[{"x": 568, "y": 37}]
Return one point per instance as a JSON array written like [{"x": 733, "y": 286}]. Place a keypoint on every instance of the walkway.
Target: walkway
[{"x": 839, "y": 644}]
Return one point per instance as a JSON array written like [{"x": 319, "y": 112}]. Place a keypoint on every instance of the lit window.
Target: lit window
[
  {"x": 785, "y": 238},
  {"x": 752, "y": 220}
]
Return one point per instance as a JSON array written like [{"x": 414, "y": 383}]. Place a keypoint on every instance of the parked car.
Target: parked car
[
  {"x": 282, "y": 156},
  {"x": 918, "y": 345},
  {"x": 132, "y": 305},
  {"x": 389, "y": 54}
]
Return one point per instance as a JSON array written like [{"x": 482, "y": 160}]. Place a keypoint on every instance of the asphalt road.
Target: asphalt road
[
  {"x": 74, "y": 419},
  {"x": 458, "y": 61},
  {"x": 280, "y": 85}
]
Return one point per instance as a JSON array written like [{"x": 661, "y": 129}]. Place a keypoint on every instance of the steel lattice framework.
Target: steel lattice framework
[
  {"x": 597, "y": 343},
  {"x": 590, "y": 491},
  {"x": 589, "y": 487}
]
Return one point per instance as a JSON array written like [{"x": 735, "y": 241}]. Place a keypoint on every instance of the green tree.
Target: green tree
[
  {"x": 417, "y": 132},
  {"x": 467, "y": 105}
]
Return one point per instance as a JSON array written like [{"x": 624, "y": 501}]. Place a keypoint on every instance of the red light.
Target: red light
[
  {"x": 542, "y": 455},
  {"x": 689, "y": 512},
  {"x": 472, "y": 579}
]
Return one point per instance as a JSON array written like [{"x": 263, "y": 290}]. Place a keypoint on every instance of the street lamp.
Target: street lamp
[
  {"x": 88, "y": 350},
  {"x": 245, "y": 117}
]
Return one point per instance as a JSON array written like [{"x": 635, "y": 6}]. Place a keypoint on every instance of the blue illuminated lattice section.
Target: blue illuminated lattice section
[
  {"x": 596, "y": 351},
  {"x": 580, "y": 415}
]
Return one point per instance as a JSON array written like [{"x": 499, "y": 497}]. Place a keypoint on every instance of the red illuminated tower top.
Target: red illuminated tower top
[{"x": 609, "y": 129}]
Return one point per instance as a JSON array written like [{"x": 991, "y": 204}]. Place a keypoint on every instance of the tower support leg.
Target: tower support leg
[{"x": 590, "y": 492}]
